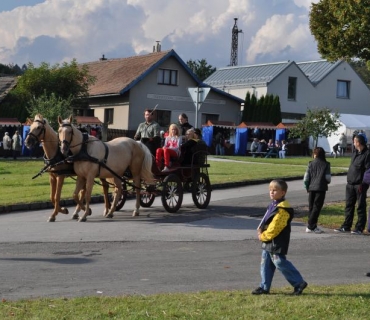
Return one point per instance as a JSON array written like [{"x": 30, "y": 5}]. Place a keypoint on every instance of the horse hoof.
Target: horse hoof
[
  {"x": 109, "y": 215},
  {"x": 75, "y": 216},
  {"x": 51, "y": 219},
  {"x": 90, "y": 212},
  {"x": 82, "y": 219},
  {"x": 135, "y": 213},
  {"x": 64, "y": 211}
]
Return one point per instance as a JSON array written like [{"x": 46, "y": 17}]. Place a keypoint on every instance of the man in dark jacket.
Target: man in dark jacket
[{"x": 355, "y": 188}]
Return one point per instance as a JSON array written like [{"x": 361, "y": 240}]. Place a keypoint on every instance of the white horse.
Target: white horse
[
  {"x": 42, "y": 132},
  {"x": 93, "y": 158}
]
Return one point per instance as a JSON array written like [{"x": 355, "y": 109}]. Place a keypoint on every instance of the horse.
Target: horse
[
  {"x": 106, "y": 160},
  {"x": 42, "y": 132}
]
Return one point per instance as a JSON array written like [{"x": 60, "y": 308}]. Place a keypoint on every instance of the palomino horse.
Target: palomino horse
[
  {"x": 94, "y": 158},
  {"x": 41, "y": 131}
]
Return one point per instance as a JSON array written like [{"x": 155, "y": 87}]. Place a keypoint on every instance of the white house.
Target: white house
[{"x": 314, "y": 84}]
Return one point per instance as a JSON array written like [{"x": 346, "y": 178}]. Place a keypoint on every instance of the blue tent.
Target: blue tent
[{"x": 241, "y": 141}]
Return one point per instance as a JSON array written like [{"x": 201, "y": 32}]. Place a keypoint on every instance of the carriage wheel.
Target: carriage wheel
[
  {"x": 172, "y": 193},
  {"x": 201, "y": 190},
  {"x": 147, "y": 199},
  {"x": 122, "y": 199}
]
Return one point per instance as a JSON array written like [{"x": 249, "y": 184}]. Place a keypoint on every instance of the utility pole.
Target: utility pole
[{"x": 234, "y": 44}]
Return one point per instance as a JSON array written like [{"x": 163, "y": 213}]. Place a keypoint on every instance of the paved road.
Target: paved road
[{"x": 192, "y": 250}]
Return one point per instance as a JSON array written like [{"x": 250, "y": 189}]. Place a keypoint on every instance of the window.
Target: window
[
  {"x": 343, "y": 89},
  {"x": 108, "y": 116},
  {"x": 292, "y": 88},
  {"x": 163, "y": 118},
  {"x": 167, "y": 76}
]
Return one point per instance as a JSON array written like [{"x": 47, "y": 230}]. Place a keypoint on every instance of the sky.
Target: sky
[{"x": 57, "y": 31}]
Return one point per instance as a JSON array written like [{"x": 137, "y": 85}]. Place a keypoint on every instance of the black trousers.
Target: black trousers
[
  {"x": 315, "y": 203},
  {"x": 353, "y": 194}
]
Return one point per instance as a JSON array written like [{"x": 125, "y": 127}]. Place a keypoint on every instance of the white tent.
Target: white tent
[{"x": 349, "y": 124}]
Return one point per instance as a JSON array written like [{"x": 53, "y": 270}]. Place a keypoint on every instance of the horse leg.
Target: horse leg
[
  {"x": 137, "y": 190},
  {"x": 58, "y": 194},
  {"x": 53, "y": 182},
  {"x": 105, "y": 186},
  {"x": 117, "y": 195},
  {"x": 89, "y": 186},
  {"x": 78, "y": 196}
]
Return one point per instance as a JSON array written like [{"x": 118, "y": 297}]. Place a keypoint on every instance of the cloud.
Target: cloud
[
  {"x": 57, "y": 31},
  {"x": 287, "y": 37}
]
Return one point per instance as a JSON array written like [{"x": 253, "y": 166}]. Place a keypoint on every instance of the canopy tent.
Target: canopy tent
[
  {"x": 9, "y": 122},
  {"x": 87, "y": 121},
  {"x": 349, "y": 123}
]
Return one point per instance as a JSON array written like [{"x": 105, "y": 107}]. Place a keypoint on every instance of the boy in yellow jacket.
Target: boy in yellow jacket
[{"x": 274, "y": 233}]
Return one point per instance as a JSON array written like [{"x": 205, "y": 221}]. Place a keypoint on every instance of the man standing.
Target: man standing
[
  {"x": 184, "y": 124},
  {"x": 7, "y": 145},
  {"x": 148, "y": 132},
  {"x": 355, "y": 188},
  {"x": 16, "y": 145},
  {"x": 342, "y": 143}
]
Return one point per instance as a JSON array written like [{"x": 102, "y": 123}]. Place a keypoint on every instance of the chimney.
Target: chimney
[{"x": 157, "y": 48}]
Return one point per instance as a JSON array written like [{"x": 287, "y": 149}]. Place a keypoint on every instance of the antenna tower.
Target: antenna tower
[{"x": 234, "y": 44}]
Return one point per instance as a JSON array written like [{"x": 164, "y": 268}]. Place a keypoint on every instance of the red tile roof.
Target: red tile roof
[
  {"x": 87, "y": 120},
  {"x": 113, "y": 75}
]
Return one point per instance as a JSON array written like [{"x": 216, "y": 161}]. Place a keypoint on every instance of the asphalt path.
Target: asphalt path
[{"x": 192, "y": 250}]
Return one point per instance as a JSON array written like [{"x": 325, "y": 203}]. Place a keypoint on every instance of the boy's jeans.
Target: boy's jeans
[{"x": 270, "y": 262}]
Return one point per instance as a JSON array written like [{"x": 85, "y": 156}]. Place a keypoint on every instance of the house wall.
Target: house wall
[
  {"x": 324, "y": 94},
  {"x": 279, "y": 86},
  {"x": 147, "y": 93}
]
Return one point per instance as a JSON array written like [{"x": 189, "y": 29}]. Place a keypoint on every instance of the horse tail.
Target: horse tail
[{"x": 146, "y": 169}]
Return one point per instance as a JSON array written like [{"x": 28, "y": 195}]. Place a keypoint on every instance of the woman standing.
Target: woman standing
[
  {"x": 316, "y": 180},
  {"x": 171, "y": 148}
]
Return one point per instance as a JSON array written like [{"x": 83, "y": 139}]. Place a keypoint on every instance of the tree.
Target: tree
[
  {"x": 51, "y": 106},
  {"x": 201, "y": 68},
  {"x": 341, "y": 28},
  {"x": 362, "y": 69},
  {"x": 68, "y": 82},
  {"x": 316, "y": 123}
]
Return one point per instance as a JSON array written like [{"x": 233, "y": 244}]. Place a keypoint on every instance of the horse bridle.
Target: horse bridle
[
  {"x": 68, "y": 143},
  {"x": 42, "y": 131}
]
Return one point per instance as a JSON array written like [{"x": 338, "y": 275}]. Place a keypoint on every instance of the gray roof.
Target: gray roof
[
  {"x": 317, "y": 70},
  {"x": 263, "y": 74}
]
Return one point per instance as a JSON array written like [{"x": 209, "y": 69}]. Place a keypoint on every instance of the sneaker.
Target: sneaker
[
  {"x": 259, "y": 290},
  {"x": 358, "y": 232},
  {"x": 298, "y": 290},
  {"x": 342, "y": 230},
  {"x": 316, "y": 230},
  {"x": 166, "y": 169}
]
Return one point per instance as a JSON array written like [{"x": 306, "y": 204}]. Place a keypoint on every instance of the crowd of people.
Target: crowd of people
[
  {"x": 270, "y": 149},
  {"x": 170, "y": 147}
]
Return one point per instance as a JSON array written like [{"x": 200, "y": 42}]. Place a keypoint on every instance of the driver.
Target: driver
[{"x": 148, "y": 132}]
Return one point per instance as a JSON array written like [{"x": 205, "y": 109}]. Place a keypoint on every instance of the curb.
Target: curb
[{"x": 100, "y": 199}]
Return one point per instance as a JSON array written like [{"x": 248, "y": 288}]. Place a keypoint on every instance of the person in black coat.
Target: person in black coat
[{"x": 316, "y": 180}]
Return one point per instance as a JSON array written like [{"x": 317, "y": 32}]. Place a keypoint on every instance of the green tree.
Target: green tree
[
  {"x": 316, "y": 123},
  {"x": 362, "y": 69},
  {"x": 68, "y": 81},
  {"x": 51, "y": 106},
  {"x": 277, "y": 111},
  {"x": 341, "y": 28},
  {"x": 201, "y": 68},
  {"x": 247, "y": 108}
]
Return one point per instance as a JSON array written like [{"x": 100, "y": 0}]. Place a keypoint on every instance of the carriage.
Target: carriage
[
  {"x": 109, "y": 161},
  {"x": 171, "y": 185}
]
